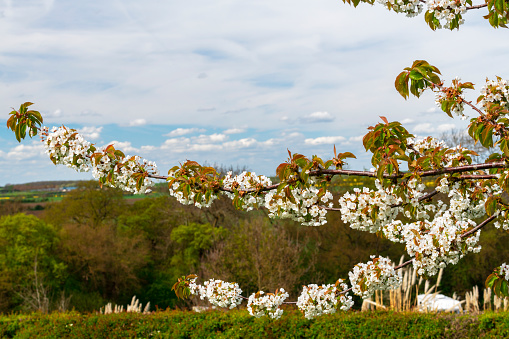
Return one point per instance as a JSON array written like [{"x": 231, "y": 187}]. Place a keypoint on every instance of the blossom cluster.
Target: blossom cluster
[
  {"x": 410, "y": 7},
  {"x": 317, "y": 300},
  {"x": 247, "y": 181},
  {"x": 449, "y": 94},
  {"x": 440, "y": 241},
  {"x": 427, "y": 146},
  {"x": 260, "y": 304},
  {"x": 504, "y": 271},
  {"x": 176, "y": 191},
  {"x": 448, "y": 10},
  {"x": 218, "y": 292},
  {"x": 495, "y": 91},
  {"x": 504, "y": 223},
  {"x": 67, "y": 147},
  {"x": 307, "y": 207},
  {"x": 376, "y": 274},
  {"x": 123, "y": 172},
  {"x": 369, "y": 210}
]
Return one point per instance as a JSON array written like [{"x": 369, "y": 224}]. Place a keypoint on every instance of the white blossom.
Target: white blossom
[
  {"x": 218, "y": 292},
  {"x": 67, "y": 147},
  {"x": 317, "y": 300},
  {"x": 447, "y": 10},
  {"x": 307, "y": 208},
  {"x": 504, "y": 271},
  {"x": 495, "y": 91},
  {"x": 376, "y": 274},
  {"x": 260, "y": 304}
]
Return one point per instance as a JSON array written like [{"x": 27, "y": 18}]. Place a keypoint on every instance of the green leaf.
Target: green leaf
[
  {"x": 490, "y": 280},
  {"x": 414, "y": 75},
  {"x": 401, "y": 84}
]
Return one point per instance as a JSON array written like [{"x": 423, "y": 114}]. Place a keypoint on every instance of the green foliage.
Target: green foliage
[
  {"x": 263, "y": 256},
  {"x": 87, "y": 205},
  {"x": 387, "y": 141},
  {"x": 498, "y": 15},
  {"x": 23, "y": 119},
  {"x": 27, "y": 247},
  {"x": 239, "y": 324},
  {"x": 181, "y": 287},
  {"x": 202, "y": 181},
  {"x": 192, "y": 240},
  {"x": 417, "y": 78},
  {"x": 497, "y": 283}
]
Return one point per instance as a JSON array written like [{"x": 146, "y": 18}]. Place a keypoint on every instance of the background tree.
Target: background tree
[
  {"x": 459, "y": 137},
  {"x": 28, "y": 259}
]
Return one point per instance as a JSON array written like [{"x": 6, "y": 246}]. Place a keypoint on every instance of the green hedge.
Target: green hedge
[{"x": 239, "y": 324}]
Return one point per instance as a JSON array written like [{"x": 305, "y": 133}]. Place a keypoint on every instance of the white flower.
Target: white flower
[
  {"x": 317, "y": 300},
  {"x": 377, "y": 274},
  {"x": 260, "y": 305}
]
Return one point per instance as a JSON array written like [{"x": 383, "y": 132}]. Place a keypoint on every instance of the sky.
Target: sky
[{"x": 224, "y": 82}]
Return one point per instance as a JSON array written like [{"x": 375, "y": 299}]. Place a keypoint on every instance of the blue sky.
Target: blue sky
[{"x": 226, "y": 82}]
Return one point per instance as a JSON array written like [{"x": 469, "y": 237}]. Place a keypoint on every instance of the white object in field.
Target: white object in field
[{"x": 438, "y": 302}]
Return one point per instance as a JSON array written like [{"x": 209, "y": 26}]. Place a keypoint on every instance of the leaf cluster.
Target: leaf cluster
[
  {"x": 453, "y": 96},
  {"x": 492, "y": 128},
  {"x": 498, "y": 15},
  {"x": 497, "y": 283},
  {"x": 295, "y": 172},
  {"x": 181, "y": 287},
  {"x": 202, "y": 181},
  {"x": 388, "y": 143},
  {"x": 417, "y": 78},
  {"x": 24, "y": 119}
]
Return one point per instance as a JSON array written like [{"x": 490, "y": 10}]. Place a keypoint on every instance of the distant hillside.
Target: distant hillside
[{"x": 39, "y": 186}]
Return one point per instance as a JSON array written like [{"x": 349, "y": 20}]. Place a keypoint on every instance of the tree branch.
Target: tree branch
[
  {"x": 477, "y": 7},
  {"x": 478, "y": 227},
  {"x": 429, "y": 173}
]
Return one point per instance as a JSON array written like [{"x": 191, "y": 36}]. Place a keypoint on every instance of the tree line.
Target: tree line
[{"x": 94, "y": 247}]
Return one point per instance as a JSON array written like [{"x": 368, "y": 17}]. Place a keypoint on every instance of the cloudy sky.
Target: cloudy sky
[{"x": 224, "y": 82}]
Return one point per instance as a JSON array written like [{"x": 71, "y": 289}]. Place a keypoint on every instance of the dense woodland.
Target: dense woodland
[{"x": 95, "y": 246}]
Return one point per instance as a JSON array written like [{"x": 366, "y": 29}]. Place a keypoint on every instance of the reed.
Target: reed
[{"x": 404, "y": 298}]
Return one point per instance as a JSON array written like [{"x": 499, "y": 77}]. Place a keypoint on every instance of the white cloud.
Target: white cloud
[
  {"x": 148, "y": 148},
  {"x": 206, "y": 109},
  {"x": 91, "y": 132},
  {"x": 445, "y": 127},
  {"x": 183, "y": 131},
  {"x": 407, "y": 121},
  {"x": 270, "y": 142},
  {"x": 137, "y": 122},
  {"x": 24, "y": 152},
  {"x": 234, "y": 131},
  {"x": 292, "y": 135},
  {"x": 204, "y": 147},
  {"x": 357, "y": 138},
  {"x": 175, "y": 143},
  {"x": 316, "y": 117},
  {"x": 212, "y": 138},
  {"x": 55, "y": 114},
  {"x": 124, "y": 146},
  {"x": 424, "y": 128},
  {"x": 241, "y": 143},
  {"x": 324, "y": 140}
]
